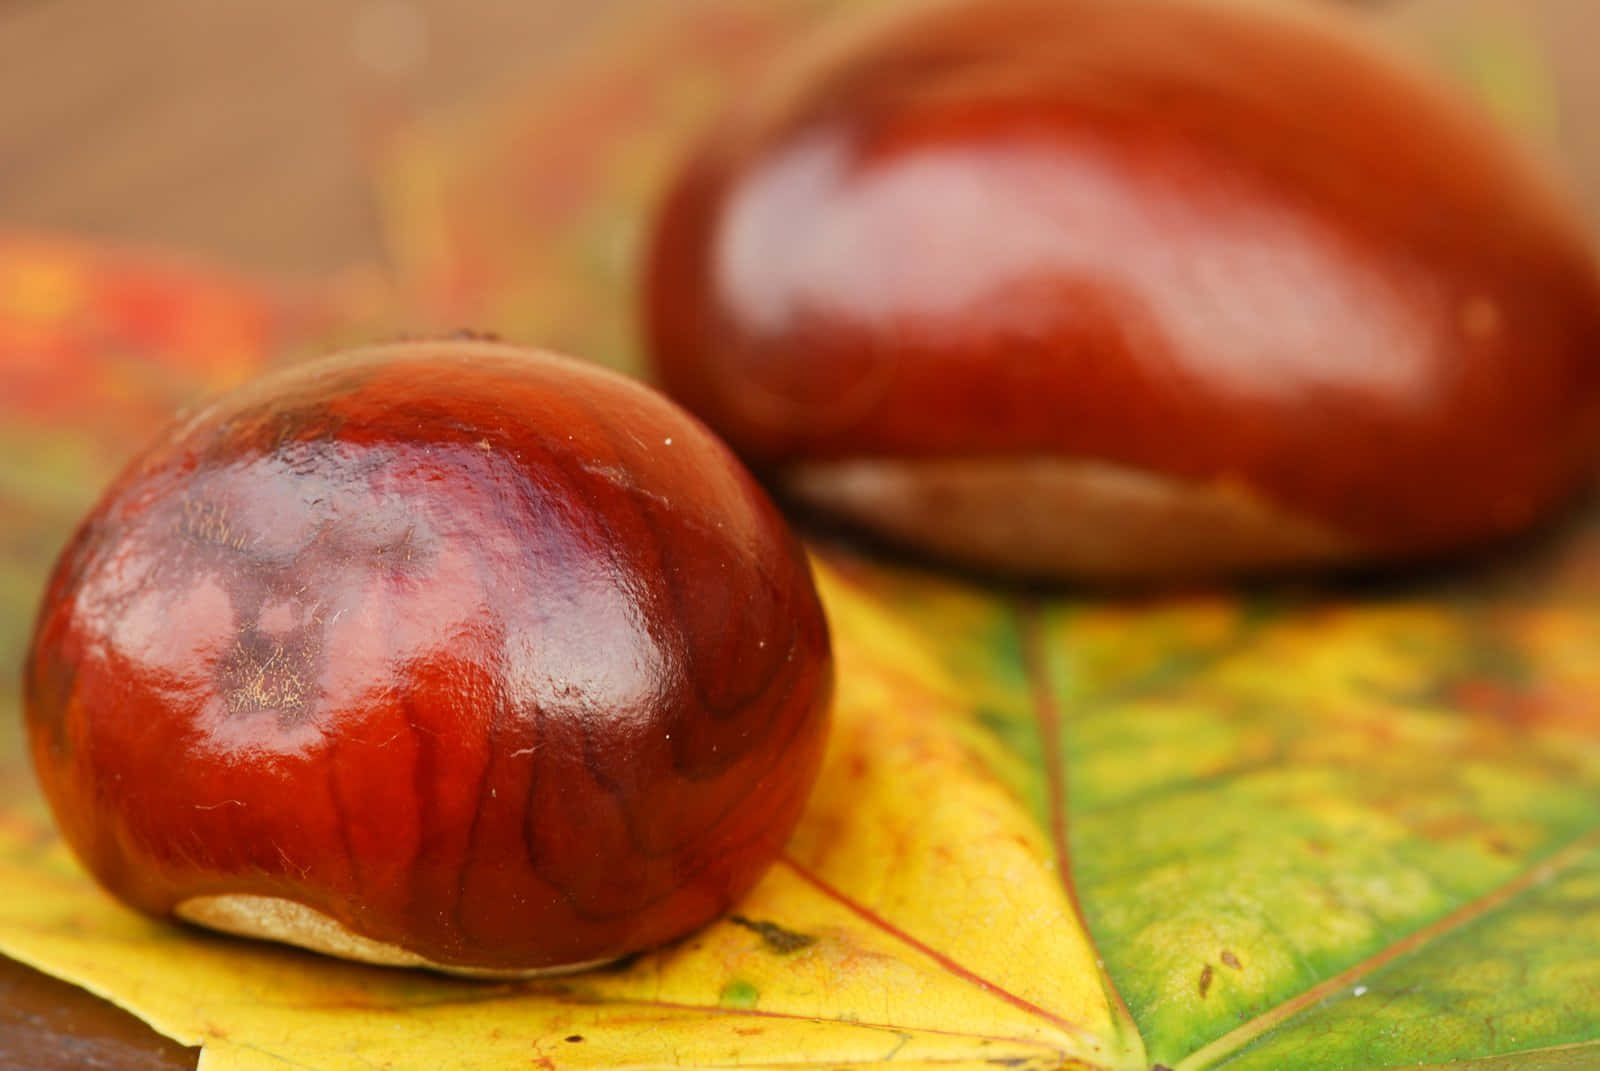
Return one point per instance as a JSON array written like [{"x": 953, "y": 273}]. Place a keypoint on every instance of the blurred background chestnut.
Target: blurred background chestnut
[{"x": 1105, "y": 290}]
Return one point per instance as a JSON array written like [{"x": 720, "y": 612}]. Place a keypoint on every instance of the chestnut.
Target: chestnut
[
  {"x": 443, "y": 654},
  {"x": 1105, "y": 290}
]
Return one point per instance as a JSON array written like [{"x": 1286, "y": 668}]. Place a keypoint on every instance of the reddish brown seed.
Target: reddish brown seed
[
  {"x": 1098, "y": 288},
  {"x": 442, "y": 653}
]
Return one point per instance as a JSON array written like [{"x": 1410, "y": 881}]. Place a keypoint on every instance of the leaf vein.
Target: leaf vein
[
  {"x": 1048, "y": 715},
  {"x": 882, "y": 924},
  {"x": 1483, "y": 907}
]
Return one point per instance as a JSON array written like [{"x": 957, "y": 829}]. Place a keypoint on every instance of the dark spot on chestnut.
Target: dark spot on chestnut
[
  {"x": 1114, "y": 291},
  {"x": 323, "y": 667},
  {"x": 262, "y": 672}
]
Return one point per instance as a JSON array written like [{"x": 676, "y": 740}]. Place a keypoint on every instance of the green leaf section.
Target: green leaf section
[
  {"x": 1295, "y": 807},
  {"x": 1255, "y": 796},
  {"x": 1516, "y": 988}
]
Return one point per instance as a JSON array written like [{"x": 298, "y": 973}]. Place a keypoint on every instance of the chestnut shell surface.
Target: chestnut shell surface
[
  {"x": 1234, "y": 289},
  {"x": 440, "y": 653}
]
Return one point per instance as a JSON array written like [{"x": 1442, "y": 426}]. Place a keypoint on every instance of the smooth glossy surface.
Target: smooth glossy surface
[
  {"x": 1192, "y": 241},
  {"x": 487, "y": 655}
]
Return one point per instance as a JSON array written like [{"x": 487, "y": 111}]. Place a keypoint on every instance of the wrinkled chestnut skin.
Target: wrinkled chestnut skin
[
  {"x": 1221, "y": 248},
  {"x": 486, "y": 654}
]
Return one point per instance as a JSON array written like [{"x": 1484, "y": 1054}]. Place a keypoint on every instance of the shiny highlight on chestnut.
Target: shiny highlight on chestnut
[
  {"x": 1102, "y": 289},
  {"x": 438, "y": 653}
]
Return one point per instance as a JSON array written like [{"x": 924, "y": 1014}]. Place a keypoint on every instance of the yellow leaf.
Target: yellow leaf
[{"x": 917, "y": 914}]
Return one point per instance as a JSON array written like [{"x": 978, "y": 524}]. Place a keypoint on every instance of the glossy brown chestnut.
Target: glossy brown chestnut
[
  {"x": 440, "y": 653},
  {"x": 1097, "y": 288}
]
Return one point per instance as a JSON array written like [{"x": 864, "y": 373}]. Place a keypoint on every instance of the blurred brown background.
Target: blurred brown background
[{"x": 243, "y": 130}]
